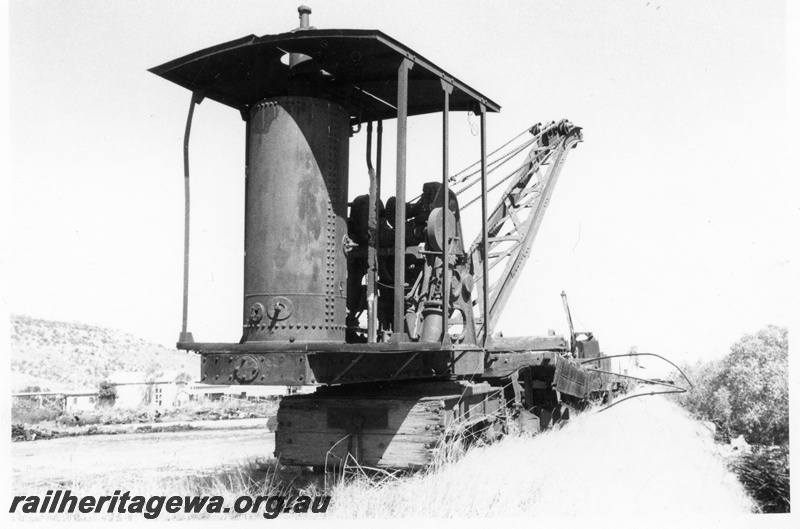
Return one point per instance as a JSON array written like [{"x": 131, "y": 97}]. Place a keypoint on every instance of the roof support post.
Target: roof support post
[
  {"x": 447, "y": 88},
  {"x": 378, "y": 162},
  {"x": 372, "y": 242},
  {"x": 185, "y": 336},
  {"x": 400, "y": 202},
  {"x": 487, "y": 331},
  {"x": 378, "y": 158}
]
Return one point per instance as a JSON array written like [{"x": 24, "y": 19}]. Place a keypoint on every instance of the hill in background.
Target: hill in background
[{"x": 61, "y": 356}]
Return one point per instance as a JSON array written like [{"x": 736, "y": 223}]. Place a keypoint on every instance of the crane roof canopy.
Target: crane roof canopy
[{"x": 356, "y": 68}]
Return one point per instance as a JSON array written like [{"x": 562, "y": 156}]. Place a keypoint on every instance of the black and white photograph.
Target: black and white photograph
[{"x": 273, "y": 262}]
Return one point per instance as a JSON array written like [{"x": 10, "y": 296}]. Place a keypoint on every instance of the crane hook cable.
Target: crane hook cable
[
  {"x": 533, "y": 169},
  {"x": 501, "y": 160},
  {"x": 537, "y": 131},
  {"x": 497, "y": 162},
  {"x": 640, "y": 354},
  {"x": 678, "y": 389},
  {"x": 636, "y": 378},
  {"x": 490, "y": 154},
  {"x": 681, "y": 390},
  {"x": 541, "y": 158}
]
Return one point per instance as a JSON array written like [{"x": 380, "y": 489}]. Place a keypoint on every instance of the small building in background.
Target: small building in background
[
  {"x": 162, "y": 390},
  {"x": 201, "y": 392},
  {"x": 183, "y": 395},
  {"x": 32, "y": 400},
  {"x": 75, "y": 401},
  {"x": 67, "y": 401},
  {"x": 135, "y": 389}
]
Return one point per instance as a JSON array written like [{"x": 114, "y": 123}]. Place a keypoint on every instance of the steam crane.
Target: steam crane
[{"x": 383, "y": 307}]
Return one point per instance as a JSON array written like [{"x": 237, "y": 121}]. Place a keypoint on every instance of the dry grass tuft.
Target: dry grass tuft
[
  {"x": 254, "y": 478},
  {"x": 765, "y": 474}
]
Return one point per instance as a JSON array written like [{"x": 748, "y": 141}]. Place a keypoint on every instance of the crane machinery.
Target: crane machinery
[{"x": 383, "y": 307}]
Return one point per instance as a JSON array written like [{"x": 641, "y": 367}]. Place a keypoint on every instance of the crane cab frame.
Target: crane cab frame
[
  {"x": 392, "y": 391},
  {"x": 375, "y": 78}
]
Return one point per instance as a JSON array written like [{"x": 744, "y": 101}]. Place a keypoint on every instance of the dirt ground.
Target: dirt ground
[{"x": 71, "y": 460}]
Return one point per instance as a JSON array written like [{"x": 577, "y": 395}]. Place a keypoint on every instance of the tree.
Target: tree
[
  {"x": 184, "y": 378},
  {"x": 756, "y": 373},
  {"x": 106, "y": 393},
  {"x": 151, "y": 375},
  {"x": 701, "y": 399},
  {"x": 720, "y": 407},
  {"x": 634, "y": 352},
  {"x": 746, "y": 392}
]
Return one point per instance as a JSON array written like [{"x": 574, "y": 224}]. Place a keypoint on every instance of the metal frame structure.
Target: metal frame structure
[
  {"x": 207, "y": 74},
  {"x": 507, "y": 235}
]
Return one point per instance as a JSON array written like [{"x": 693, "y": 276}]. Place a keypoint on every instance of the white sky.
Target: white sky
[{"x": 672, "y": 228}]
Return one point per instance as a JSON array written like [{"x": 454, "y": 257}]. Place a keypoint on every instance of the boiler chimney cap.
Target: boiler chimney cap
[{"x": 304, "y": 12}]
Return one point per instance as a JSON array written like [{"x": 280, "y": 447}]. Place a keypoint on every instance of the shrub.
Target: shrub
[
  {"x": 106, "y": 393},
  {"x": 765, "y": 475},
  {"x": 756, "y": 375},
  {"x": 746, "y": 392},
  {"x": 34, "y": 415}
]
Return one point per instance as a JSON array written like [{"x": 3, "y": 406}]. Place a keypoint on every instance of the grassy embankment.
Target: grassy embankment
[{"x": 645, "y": 458}]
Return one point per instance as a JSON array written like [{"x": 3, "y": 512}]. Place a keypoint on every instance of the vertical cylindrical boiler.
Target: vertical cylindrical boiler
[{"x": 296, "y": 220}]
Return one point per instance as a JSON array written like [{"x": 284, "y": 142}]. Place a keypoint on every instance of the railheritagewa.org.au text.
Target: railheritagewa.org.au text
[{"x": 64, "y": 502}]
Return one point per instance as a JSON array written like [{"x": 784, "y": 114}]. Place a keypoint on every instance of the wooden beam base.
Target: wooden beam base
[{"x": 398, "y": 427}]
